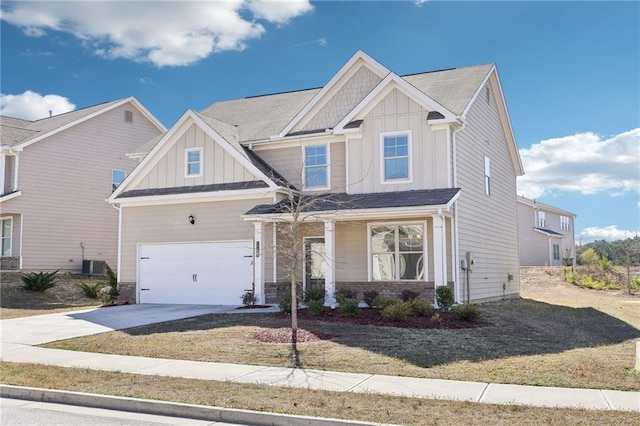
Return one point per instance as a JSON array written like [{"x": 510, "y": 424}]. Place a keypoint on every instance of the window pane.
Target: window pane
[
  {"x": 410, "y": 238},
  {"x": 411, "y": 266},
  {"x": 383, "y": 239},
  {"x": 397, "y": 168},
  {"x": 6, "y": 238},
  {"x": 315, "y": 155},
  {"x": 194, "y": 156},
  {"x": 316, "y": 177},
  {"x": 383, "y": 267}
]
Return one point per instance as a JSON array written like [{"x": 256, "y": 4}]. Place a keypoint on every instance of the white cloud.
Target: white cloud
[
  {"x": 419, "y": 3},
  {"x": 145, "y": 80},
  {"x": 609, "y": 233},
  {"x": 584, "y": 163},
  {"x": 33, "y": 106},
  {"x": 165, "y": 33}
]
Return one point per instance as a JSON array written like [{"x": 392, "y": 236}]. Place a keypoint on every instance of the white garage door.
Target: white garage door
[{"x": 195, "y": 273}]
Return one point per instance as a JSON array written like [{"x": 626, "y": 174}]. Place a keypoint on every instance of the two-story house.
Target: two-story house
[
  {"x": 55, "y": 175},
  {"x": 545, "y": 234},
  {"x": 398, "y": 182}
]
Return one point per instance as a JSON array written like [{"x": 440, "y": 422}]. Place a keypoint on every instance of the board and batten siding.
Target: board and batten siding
[
  {"x": 65, "y": 180},
  {"x": 217, "y": 164},
  {"x": 168, "y": 223},
  {"x": 487, "y": 224},
  {"x": 429, "y": 160}
]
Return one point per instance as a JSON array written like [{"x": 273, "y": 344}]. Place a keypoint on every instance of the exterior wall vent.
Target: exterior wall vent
[{"x": 128, "y": 117}]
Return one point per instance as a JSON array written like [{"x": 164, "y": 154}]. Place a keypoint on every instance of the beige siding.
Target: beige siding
[
  {"x": 15, "y": 231},
  {"x": 535, "y": 247},
  {"x": 218, "y": 165},
  {"x": 429, "y": 161},
  {"x": 214, "y": 221},
  {"x": 351, "y": 251},
  {"x": 9, "y": 173},
  {"x": 338, "y": 167},
  {"x": 65, "y": 181},
  {"x": 287, "y": 161},
  {"x": 487, "y": 224}
]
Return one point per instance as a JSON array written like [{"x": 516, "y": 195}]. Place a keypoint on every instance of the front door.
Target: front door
[{"x": 313, "y": 263}]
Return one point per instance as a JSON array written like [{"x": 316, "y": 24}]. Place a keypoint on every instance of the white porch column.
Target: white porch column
[
  {"x": 329, "y": 263},
  {"x": 439, "y": 251},
  {"x": 258, "y": 262}
]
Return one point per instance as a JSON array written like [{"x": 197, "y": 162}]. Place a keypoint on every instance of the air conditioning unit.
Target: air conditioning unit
[{"x": 93, "y": 267}]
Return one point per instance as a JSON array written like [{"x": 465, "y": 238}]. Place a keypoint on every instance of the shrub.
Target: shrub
[
  {"x": 370, "y": 297},
  {"x": 589, "y": 282},
  {"x": 383, "y": 302},
  {"x": 468, "y": 312},
  {"x": 285, "y": 304},
  {"x": 571, "y": 277},
  {"x": 316, "y": 307},
  {"x": 109, "y": 294},
  {"x": 39, "y": 281},
  {"x": 397, "y": 312},
  {"x": 313, "y": 294},
  {"x": 90, "y": 291},
  {"x": 421, "y": 307},
  {"x": 248, "y": 298},
  {"x": 605, "y": 263},
  {"x": 436, "y": 318},
  {"x": 343, "y": 294},
  {"x": 444, "y": 297},
  {"x": 408, "y": 295},
  {"x": 349, "y": 307},
  {"x": 635, "y": 283}
]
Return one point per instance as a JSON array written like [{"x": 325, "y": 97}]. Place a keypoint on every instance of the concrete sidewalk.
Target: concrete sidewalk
[{"x": 17, "y": 347}]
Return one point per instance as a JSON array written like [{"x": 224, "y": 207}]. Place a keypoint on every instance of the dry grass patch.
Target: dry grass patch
[{"x": 341, "y": 405}]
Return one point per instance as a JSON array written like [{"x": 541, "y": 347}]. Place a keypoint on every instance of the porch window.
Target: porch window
[
  {"x": 396, "y": 150},
  {"x": 6, "y": 227},
  {"x": 397, "y": 252},
  {"x": 193, "y": 160},
  {"x": 316, "y": 167},
  {"x": 117, "y": 177}
]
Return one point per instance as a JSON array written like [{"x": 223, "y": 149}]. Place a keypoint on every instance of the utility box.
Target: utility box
[{"x": 94, "y": 267}]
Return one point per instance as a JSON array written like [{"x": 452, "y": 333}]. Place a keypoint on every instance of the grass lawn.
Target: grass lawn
[{"x": 353, "y": 406}]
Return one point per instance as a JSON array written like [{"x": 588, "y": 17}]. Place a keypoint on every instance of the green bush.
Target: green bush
[
  {"x": 39, "y": 281},
  {"x": 109, "y": 294},
  {"x": 408, "y": 295},
  {"x": 570, "y": 275},
  {"x": 397, "y": 312},
  {"x": 315, "y": 306},
  {"x": 382, "y": 302},
  {"x": 370, "y": 297},
  {"x": 349, "y": 307},
  {"x": 605, "y": 263},
  {"x": 444, "y": 297},
  {"x": 285, "y": 304},
  {"x": 421, "y": 307},
  {"x": 345, "y": 294},
  {"x": 589, "y": 282},
  {"x": 90, "y": 291},
  {"x": 635, "y": 283},
  {"x": 313, "y": 294},
  {"x": 468, "y": 312}
]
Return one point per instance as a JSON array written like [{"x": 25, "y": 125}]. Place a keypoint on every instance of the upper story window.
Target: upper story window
[
  {"x": 128, "y": 116},
  {"x": 193, "y": 162},
  {"x": 564, "y": 223},
  {"x": 316, "y": 167},
  {"x": 541, "y": 219},
  {"x": 487, "y": 175},
  {"x": 6, "y": 225},
  {"x": 117, "y": 177},
  {"x": 396, "y": 252},
  {"x": 396, "y": 153}
]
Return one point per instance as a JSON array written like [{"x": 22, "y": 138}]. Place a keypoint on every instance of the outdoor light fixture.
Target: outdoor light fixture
[{"x": 192, "y": 219}]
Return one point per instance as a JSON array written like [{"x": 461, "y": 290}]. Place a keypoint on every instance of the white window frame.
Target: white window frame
[
  {"x": 327, "y": 166},
  {"x": 115, "y": 186},
  {"x": 555, "y": 252},
  {"x": 541, "y": 220},
  {"x": 409, "y": 178},
  {"x": 564, "y": 223},
  {"x": 487, "y": 175},
  {"x": 10, "y": 237},
  {"x": 186, "y": 162},
  {"x": 425, "y": 263}
]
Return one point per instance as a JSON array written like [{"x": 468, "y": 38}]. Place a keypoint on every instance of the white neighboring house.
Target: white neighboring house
[
  {"x": 55, "y": 174},
  {"x": 414, "y": 174},
  {"x": 545, "y": 234}
]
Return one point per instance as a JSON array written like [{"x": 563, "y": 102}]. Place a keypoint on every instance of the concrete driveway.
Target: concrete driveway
[{"x": 36, "y": 330}]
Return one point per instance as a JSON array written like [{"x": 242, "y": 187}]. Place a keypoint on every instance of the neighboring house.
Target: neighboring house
[
  {"x": 55, "y": 175},
  {"x": 420, "y": 173},
  {"x": 545, "y": 234}
]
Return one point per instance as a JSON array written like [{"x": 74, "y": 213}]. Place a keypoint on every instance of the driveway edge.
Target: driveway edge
[{"x": 171, "y": 409}]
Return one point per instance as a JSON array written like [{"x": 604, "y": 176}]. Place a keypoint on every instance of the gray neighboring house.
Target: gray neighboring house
[
  {"x": 417, "y": 174},
  {"x": 55, "y": 175},
  {"x": 546, "y": 234}
]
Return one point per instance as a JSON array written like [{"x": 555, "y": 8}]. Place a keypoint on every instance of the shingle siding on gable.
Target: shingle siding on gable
[
  {"x": 349, "y": 95},
  {"x": 487, "y": 225},
  {"x": 65, "y": 180},
  {"x": 218, "y": 166}
]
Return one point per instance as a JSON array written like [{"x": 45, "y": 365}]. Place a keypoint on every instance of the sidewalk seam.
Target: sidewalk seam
[
  {"x": 604, "y": 396},
  {"x": 486, "y": 386},
  {"x": 359, "y": 383}
]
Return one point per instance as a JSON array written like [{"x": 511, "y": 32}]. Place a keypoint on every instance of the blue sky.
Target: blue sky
[{"x": 569, "y": 70}]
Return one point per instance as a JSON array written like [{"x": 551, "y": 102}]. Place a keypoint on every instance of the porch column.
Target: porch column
[
  {"x": 329, "y": 263},
  {"x": 258, "y": 263},
  {"x": 439, "y": 251}
]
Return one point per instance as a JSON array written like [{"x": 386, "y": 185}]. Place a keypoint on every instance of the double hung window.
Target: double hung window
[
  {"x": 396, "y": 152},
  {"x": 564, "y": 223},
  {"x": 193, "y": 162},
  {"x": 316, "y": 167},
  {"x": 541, "y": 219},
  {"x": 5, "y": 229}
]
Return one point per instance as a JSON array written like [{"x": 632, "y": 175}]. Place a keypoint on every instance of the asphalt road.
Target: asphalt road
[{"x": 29, "y": 413}]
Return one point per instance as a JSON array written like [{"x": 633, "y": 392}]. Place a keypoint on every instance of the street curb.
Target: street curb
[{"x": 171, "y": 409}]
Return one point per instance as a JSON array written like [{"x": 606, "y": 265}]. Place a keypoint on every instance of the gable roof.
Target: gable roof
[
  {"x": 542, "y": 206},
  {"x": 17, "y": 133}
]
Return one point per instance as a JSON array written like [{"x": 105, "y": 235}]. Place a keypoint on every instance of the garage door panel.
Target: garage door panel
[{"x": 195, "y": 273}]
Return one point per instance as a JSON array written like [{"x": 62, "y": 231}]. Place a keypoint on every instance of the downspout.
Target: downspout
[
  {"x": 456, "y": 261},
  {"x": 119, "y": 240}
]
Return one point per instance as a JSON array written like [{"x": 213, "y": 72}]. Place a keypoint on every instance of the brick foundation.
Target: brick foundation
[
  {"x": 9, "y": 263},
  {"x": 127, "y": 293},
  {"x": 275, "y": 291},
  {"x": 388, "y": 288}
]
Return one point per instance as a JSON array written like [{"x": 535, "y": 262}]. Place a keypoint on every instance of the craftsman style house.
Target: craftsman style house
[
  {"x": 397, "y": 182},
  {"x": 545, "y": 234},
  {"x": 55, "y": 175}
]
